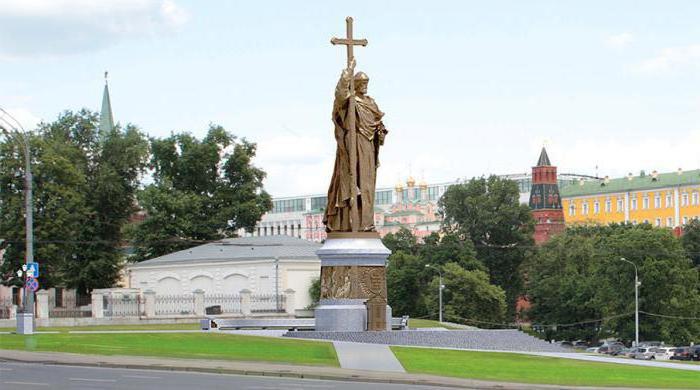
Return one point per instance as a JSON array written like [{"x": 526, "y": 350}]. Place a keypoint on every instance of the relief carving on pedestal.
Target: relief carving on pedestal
[{"x": 353, "y": 282}]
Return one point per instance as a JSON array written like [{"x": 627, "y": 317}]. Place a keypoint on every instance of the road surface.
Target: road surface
[{"x": 26, "y": 376}]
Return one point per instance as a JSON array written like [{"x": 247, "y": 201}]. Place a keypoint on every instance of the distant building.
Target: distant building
[
  {"x": 406, "y": 205},
  {"x": 661, "y": 199},
  {"x": 545, "y": 201},
  {"x": 263, "y": 265}
]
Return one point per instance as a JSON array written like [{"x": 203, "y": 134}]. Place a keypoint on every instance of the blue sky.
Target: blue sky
[{"x": 469, "y": 88}]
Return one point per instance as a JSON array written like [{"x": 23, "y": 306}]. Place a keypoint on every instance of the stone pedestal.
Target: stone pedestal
[{"x": 353, "y": 283}]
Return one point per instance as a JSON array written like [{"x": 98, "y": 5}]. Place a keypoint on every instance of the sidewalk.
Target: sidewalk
[{"x": 262, "y": 369}]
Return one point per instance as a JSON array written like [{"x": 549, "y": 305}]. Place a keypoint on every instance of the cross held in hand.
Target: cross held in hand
[{"x": 348, "y": 41}]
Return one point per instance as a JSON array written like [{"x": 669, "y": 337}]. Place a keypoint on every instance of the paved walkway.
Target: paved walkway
[{"x": 372, "y": 357}]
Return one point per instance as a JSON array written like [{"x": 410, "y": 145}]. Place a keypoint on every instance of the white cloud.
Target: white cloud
[
  {"x": 24, "y": 116},
  {"x": 669, "y": 58},
  {"x": 619, "y": 40},
  {"x": 40, "y": 28},
  {"x": 617, "y": 156}
]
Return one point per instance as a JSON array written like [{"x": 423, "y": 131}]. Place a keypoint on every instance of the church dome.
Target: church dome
[
  {"x": 423, "y": 184},
  {"x": 410, "y": 182},
  {"x": 398, "y": 187}
]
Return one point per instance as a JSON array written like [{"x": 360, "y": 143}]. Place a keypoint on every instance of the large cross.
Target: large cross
[{"x": 349, "y": 42}]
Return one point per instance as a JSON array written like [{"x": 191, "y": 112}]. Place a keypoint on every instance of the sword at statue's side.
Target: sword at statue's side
[{"x": 349, "y": 42}]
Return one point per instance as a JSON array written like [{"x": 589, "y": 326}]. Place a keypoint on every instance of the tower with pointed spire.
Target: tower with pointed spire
[
  {"x": 545, "y": 201},
  {"x": 106, "y": 118}
]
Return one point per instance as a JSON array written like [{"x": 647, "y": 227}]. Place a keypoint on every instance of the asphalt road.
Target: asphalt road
[{"x": 24, "y": 376}]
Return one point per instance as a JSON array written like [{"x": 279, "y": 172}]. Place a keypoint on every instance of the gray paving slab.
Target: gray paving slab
[{"x": 371, "y": 357}]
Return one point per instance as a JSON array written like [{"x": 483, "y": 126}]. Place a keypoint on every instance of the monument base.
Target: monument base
[
  {"x": 335, "y": 315},
  {"x": 25, "y": 323},
  {"x": 353, "y": 284}
]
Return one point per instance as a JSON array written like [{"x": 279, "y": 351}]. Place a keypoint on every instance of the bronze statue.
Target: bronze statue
[{"x": 359, "y": 132}]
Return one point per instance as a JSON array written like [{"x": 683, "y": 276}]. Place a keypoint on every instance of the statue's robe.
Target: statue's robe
[{"x": 370, "y": 136}]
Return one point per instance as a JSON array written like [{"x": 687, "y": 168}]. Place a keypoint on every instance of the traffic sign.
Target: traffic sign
[
  {"x": 33, "y": 270},
  {"x": 32, "y": 284}
]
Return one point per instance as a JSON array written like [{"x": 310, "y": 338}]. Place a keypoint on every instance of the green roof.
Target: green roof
[{"x": 637, "y": 183}]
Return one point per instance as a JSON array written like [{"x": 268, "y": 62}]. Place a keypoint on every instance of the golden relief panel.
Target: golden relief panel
[{"x": 353, "y": 282}]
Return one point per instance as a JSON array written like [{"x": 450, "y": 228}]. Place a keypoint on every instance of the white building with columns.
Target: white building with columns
[{"x": 264, "y": 265}]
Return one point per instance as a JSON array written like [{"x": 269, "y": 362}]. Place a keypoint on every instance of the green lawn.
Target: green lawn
[
  {"x": 180, "y": 345},
  {"x": 65, "y": 329},
  {"x": 511, "y": 367},
  {"x": 419, "y": 323}
]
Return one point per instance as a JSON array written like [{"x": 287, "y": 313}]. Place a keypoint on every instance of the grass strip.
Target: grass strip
[
  {"x": 180, "y": 345},
  {"x": 512, "y": 367},
  {"x": 421, "y": 323}
]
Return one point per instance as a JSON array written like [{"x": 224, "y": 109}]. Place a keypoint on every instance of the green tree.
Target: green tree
[
  {"x": 314, "y": 292},
  {"x": 468, "y": 295},
  {"x": 488, "y": 212},
  {"x": 691, "y": 240},
  {"x": 578, "y": 276},
  {"x": 84, "y": 185},
  {"x": 203, "y": 190},
  {"x": 406, "y": 279},
  {"x": 403, "y": 241}
]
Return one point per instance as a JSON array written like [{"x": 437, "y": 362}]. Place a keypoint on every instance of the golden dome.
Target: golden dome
[
  {"x": 423, "y": 184},
  {"x": 398, "y": 187},
  {"x": 410, "y": 181}
]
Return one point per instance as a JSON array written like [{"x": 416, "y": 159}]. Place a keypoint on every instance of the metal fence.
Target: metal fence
[
  {"x": 123, "y": 305},
  {"x": 5, "y": 308},
  {"x": 174, "y": 305},
  {"x": 77, "y": 306},
  {"x": 229, "y": 303},
  {"x": 270, "y": 303}
]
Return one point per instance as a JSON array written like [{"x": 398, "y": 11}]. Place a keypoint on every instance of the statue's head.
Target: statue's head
[{"x": 361, "y": 80}]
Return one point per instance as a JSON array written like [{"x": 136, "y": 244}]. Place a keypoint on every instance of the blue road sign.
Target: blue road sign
[
  {"x": 32, "y": 284},
  {"x": 33, "y": 270}
]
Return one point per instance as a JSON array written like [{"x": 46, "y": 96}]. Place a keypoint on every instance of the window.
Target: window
[
  {"x": 608, "y": 205},
  {"x": 684, "y": 199},
  {"x": 657, "y": 201},
  {"x": 633, "y": 205},
  {"x": 382, "y": 197},
  {"x": 669, "y": 200},
  {"x": 658, "y": 222},
  {"x": 319, "y": 202},
  {"x": 685, "y": 220},
  {"x": 596, "y": 207},
  {"x": 572, "y": 209},
  {"x": 645, "y": 202},
  {"x": 288, "y": 205},
  {"x": 669, "y": 222},
  {"x": 584, "y": 208},
  {"x": 696, "y": 198},
  {"x": 620, "y": 205}
]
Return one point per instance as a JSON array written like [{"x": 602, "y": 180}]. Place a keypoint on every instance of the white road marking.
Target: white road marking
[
  {"x": 92, "y": 380},
  {"x": 141, "y": 377},
  {"x": 27, "y": 383}
]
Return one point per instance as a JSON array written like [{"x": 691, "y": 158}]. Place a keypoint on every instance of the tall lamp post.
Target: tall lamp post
[
  {"x": 636, "y": 301},
  {"x": 15, "y": 127},
  {"x": 440, "y": 287}
]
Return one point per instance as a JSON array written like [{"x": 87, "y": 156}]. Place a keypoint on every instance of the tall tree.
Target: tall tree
[
  {"x": 489, "y": 213},
  {"x": 84, "y": 186},
  {"x": 691, "y": 240},
  {"x": 203, "y": 190}
]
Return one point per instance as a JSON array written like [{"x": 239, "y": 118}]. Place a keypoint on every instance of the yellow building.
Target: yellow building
[{"x": 661, "y": 199}]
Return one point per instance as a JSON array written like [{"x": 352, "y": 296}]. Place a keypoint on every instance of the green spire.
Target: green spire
[{"x": 106, "y": 118}]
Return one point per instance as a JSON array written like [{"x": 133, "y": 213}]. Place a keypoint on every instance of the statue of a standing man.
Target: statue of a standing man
[{"x": 343, "y": 194}]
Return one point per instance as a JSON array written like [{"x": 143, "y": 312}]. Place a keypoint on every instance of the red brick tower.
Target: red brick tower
[{"x": 545, "y": 201}]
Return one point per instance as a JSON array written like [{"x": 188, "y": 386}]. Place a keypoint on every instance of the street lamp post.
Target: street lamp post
[
  {"x": 636, "y": 301},
  {"x": 28, "y": 299},
  {"x": 440, "y": 287}
]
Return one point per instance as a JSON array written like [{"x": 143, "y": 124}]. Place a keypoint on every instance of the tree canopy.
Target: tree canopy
[
  {"x": 203, "y": 190},
  {"x": 84, "y": 186},
  {"x": 578, "y": 276},
  {"x": 488, "y": 212}
]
